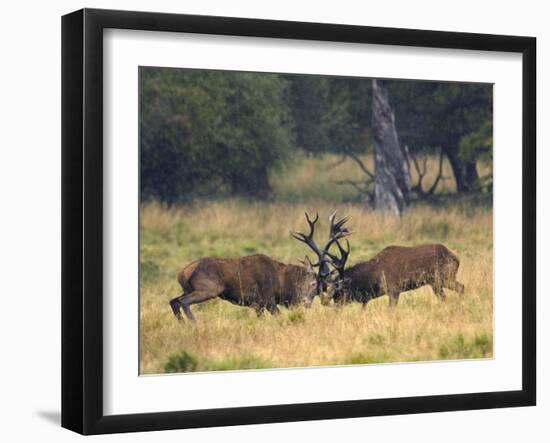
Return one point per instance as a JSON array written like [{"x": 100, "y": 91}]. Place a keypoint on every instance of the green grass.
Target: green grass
[
  {"x": 459, "y": 347},
  {"x": 186, "y": 362}
]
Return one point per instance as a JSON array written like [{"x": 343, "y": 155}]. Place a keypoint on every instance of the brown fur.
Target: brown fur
[
  {"x": 256, "y": 281},
  {"x": 396, "y": 269}
]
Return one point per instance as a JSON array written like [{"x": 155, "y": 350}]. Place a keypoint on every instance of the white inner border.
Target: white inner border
[{"x": 125, "y": 392}]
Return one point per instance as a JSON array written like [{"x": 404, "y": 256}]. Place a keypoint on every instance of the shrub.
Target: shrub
[
  {"x": 367, "y": 358},
  {"x": 187, "y": 362},
  {"x": 183, "y": 362},
  {"x": 296, "y": 316},
  {"x": 459, "y": 347}
]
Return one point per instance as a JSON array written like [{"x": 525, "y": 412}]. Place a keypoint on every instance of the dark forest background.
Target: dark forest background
[{"x": 208, "y": 133}]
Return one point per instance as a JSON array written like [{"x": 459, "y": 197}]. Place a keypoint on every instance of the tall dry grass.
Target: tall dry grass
[{"x": 230, "y": 337}]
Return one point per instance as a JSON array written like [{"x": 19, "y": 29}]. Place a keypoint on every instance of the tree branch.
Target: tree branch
[
  {"x": 362, "y": 187},
  {"x": 439, "y": 174},
  {"x": 360, "y": 163},
  {"x": 337, "y": 162}
]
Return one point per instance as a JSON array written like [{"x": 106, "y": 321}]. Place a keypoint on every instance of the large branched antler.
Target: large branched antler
[
  {"x": 308, "y": 239},
  {"x": 336, "y": 231}
]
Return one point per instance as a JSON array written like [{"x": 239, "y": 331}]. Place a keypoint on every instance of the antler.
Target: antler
[
  {"x": 307, "y": 262},
  {"x": 308, "y": 239},
  {"x": 336, "y": 231},
  {"x": 340, "y": 262}
]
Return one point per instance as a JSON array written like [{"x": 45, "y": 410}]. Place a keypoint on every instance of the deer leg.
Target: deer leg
[
  {"x": 394, "y": 298},
  {"x": 176, "y": 306},
  {"x": 259, "y": 310},
  {"x": 456, "y": 286},
  {"x": 438, "y": 290},
  {"x": 273, "y": 309},
  {"x": 185, "y": 301}
]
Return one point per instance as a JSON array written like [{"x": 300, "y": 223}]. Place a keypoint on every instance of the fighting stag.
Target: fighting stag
[
  {"x": 393, "y": 270},
  {"x": 256, "y": 281}
]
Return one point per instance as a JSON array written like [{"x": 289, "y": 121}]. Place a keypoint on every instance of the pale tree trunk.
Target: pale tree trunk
[{"x": 392, "y": 179}]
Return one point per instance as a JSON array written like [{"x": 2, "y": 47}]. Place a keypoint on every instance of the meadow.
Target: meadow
[{"x": 228, "y": 337}]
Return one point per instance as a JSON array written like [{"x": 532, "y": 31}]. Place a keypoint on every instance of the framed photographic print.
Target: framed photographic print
[{"x": 269, "y": 221}]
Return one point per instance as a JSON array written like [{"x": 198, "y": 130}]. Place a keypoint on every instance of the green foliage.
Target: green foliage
[
  {"x": 330, "y": 113},
  {"x": 433, "y": 115},
  {"x": 454, "y": 117},
  {"x": 309, "y": 96},
  {"x": 478, "y": 144},
  {"x": 187, "y": 362},
  {"x": 217, "y": 133},
  {"x": 205, "y": 131},
  {"x": 183, "y": 362},
  {"x": 367, "y": 358},
  {"x": 236, "y": 363},
  {"x": 458, "y": 347}
]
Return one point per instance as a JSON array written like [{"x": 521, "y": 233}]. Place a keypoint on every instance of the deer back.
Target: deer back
[
  {"x": 250, "y": 280},
  {"x": 415, "y": 265},
  {"x": 401, "y": 268}
]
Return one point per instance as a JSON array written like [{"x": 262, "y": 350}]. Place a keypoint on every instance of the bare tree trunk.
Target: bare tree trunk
[{"x": 392, "y": 179}]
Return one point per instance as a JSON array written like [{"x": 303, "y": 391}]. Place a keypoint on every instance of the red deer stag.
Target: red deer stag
[
  {"x": 256, "y": 281},
  {"x": 393, "y": 270}
]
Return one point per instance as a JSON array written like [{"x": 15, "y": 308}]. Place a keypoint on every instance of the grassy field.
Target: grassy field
[{"x": 230, "y": 337}]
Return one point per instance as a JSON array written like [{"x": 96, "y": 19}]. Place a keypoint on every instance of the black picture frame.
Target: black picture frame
[{"x": 82, "y": 219}]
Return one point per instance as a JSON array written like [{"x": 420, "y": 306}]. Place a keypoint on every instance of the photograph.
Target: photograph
[{"x": 289, "y": 220}]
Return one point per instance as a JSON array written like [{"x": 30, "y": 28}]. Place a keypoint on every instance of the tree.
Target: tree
[
  {"x": 206, "y": 131},
  {"x": 453, "y": 117},
  {"x": 392, "y": 181},
  {"x": 309, "y": 103},
  {"x": 330, "y": 114}
]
